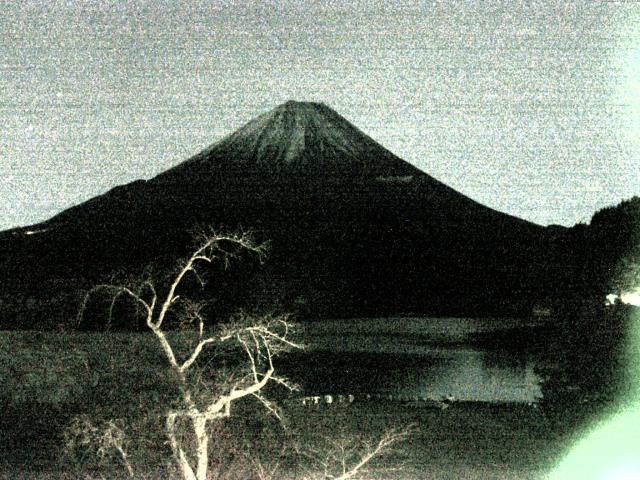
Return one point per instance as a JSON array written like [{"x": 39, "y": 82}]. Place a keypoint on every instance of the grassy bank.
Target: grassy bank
[
  {"x": 465, "y": 441},
  {"x": 48, "y": 378}
]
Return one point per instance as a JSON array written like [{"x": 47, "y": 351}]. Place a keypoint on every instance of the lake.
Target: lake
[{"x": 414, "y": 358}]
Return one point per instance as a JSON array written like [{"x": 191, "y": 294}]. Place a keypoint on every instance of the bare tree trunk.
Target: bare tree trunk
[
  {"x": 202, "y": 446},
  {"x": 125, "y": 461},
  {"x": 181, "y": 459}
]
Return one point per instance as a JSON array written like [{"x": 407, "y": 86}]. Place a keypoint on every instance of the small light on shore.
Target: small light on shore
[{"x": 631, "y": 297}]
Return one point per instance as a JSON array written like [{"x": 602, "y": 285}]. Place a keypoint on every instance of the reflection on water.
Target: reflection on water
[
  {"x": 474, "y": 376},
  {"x": 404, "y": 362}
]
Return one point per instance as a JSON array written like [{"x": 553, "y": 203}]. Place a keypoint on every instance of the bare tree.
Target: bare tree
[
  {"x": 106, "y": 440},
  {"x": 259, "y": 338},
  {"x": 342, "y": 457}
]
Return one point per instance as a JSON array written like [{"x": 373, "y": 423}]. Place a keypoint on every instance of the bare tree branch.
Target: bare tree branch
[
  {"x": 196, "y": 353},
  {"x": 268, "y": 405}
]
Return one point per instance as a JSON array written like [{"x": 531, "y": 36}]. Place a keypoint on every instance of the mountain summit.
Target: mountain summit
[{"x": 300, "y": 138}]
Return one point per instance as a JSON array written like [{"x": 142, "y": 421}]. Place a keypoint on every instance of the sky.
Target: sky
[{"x": 531, "y": 108}]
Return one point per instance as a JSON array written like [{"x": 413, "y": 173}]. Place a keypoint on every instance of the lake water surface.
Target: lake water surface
[{"x": 414, "y": 358}]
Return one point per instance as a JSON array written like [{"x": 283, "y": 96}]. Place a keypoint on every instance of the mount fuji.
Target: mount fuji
[{"x": 354, "y": 231}]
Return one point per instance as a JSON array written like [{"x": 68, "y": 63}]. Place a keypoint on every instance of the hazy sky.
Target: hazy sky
[{"x": 531, "y": 108}]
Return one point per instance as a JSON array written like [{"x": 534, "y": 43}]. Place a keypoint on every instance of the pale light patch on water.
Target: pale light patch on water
[
  {"x": 422, "y": 358},
  {"x": 473, "y": 376}
]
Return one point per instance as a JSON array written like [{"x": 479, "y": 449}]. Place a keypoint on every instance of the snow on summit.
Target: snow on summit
[{"x": 301, "y": 138}]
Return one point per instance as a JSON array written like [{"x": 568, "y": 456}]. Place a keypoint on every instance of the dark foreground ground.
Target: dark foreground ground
[
  {"x": 464, "y": 441},
  {"x": 47, "y": 379}
]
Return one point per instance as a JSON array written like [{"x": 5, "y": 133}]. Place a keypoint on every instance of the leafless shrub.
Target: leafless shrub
[
  {"x": 343, "y": 457},
  {"x": 105, "y": 440}
]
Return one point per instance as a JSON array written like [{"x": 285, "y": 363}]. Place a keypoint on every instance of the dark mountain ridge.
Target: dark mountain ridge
[{"x": 354, "y": 229}]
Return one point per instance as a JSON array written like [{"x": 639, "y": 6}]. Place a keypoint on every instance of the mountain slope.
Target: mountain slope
[{"x": 354, "y": 229}]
